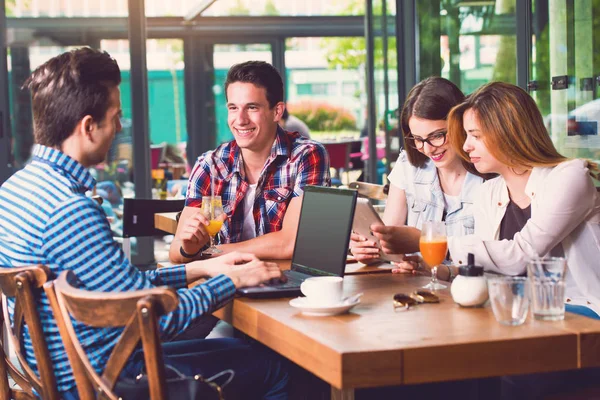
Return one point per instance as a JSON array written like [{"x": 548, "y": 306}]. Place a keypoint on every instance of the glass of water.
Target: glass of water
[
  {"x": 509, "y": 297},
  {"x": 547, "y": 279}
]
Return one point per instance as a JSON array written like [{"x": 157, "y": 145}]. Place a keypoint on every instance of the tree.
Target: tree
[
  {"x": 506, "y": 58},
  {"x": 271, "y": 8},
  {"x": 239, "y": 8},
  {"x": 10, "y": 7},
  {"x": 350, "y": 52}
]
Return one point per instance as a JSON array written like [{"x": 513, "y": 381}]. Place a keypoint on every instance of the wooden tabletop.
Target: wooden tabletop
[
  {"x": 375, "y": 346},
  {"x": 166, "y": 222}
]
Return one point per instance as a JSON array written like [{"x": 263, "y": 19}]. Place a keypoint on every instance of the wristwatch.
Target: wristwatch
[{"x": 186, "y": 255}]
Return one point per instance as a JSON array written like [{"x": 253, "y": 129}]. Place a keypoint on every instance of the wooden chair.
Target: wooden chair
[
  {"x": 138, "y": 312},
  {"x": 21, "y": 283},
  {"x": 339, "y": 157},
  {"x": 138, "y": 218},
  {"x": 371, "y": 190}
]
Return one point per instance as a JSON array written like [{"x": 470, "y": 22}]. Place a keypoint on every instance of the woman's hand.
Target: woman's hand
[
  {"x": 410, "y": 265},
  {"x": 363, "y": 250},
  {"x": 397, "y": 239}
]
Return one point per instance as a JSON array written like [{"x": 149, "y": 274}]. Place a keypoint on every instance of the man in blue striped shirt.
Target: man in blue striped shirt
[{"x": 47, "y": 219}]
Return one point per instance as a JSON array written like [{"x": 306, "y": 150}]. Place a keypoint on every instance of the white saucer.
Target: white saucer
[{"x": 308, "y": 308}]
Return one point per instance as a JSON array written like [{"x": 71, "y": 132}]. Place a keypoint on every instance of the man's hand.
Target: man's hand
[
  {"x": 222, "y": 264},
  {"x": 363, "y": 250},
  {"x": 244, "y": 269},
  {"x": 397, "y": 239},
  {"x": 254, "y": 273},
  {"x": 193, "y": 232}
]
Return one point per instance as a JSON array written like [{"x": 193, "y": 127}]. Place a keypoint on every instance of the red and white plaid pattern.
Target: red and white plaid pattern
[{"x": 294, "y": 163}]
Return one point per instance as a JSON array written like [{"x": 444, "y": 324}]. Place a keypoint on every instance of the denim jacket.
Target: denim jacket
[{"x": 425, "y": 199}]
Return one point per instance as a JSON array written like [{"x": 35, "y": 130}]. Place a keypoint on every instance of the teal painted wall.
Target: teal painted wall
[{"x": 166, "y": 105}]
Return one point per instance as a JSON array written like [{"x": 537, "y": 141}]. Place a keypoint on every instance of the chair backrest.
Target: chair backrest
[
  {"x": 157, "y": 153},
  {"x": 138, "y": 218},
  {"x": 138, "y": 312},
  {"x": 21, "y": 283},
  {"x": 371, "y": 190},
  {"x": 339, "y": 154},
  {"x": 380, "y": 150},
  {"x": 138, "y": 215}
]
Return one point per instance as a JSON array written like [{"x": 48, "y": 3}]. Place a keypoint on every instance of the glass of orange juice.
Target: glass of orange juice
[
  {"x": 434, "y": 247},
  {"x": 212, "y": 207}
]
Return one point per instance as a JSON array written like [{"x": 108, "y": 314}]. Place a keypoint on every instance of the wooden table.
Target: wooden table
[
  {"x": 166, "y": 222},
  {"x": 375, "y": 346}
]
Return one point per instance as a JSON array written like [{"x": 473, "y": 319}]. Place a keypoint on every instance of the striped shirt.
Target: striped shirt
[
  {"x": 294, "y": 163},
  {"x": 47, "y": 219}
]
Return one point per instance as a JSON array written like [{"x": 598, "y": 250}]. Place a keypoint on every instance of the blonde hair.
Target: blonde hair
[{"x": 511, "y": 124}]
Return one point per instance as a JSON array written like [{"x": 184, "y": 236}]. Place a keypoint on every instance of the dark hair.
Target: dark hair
[
  {"x": 68, "y": 87},
  {"x": 431, "y": 99},
  {"x": 261, "y": 74}
]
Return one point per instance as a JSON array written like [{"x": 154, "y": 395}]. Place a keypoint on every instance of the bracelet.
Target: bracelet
[
  {"x": 186, "y": 255},
  {"x": 451, "y": 275}
]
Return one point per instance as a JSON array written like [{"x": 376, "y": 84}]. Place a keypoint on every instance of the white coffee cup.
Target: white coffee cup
[{"x": 323, "y": 290}]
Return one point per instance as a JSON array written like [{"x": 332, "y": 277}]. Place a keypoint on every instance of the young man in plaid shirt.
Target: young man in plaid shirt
[{"x": 260, "y": 175}]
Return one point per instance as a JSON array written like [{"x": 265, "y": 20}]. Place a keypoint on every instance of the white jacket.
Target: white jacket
[{"x": 565, "y": 211}]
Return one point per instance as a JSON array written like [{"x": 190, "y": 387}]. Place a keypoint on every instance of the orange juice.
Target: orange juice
[
  {"x": 214, "y": 227},
  {"x": 433, "y": 250}
]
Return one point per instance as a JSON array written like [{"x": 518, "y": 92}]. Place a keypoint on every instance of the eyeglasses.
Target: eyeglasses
[
  {"x": 435, "y": 140},
  {"x": 404, "y": 301}
]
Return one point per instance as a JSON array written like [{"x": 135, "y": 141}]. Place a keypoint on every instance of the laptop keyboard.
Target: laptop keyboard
[{"x": 294, "y": 279}]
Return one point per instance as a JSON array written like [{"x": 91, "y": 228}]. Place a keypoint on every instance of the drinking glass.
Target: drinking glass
[
  {"x": 509, "y": 296},
  {"x": 434, "y": 246},
  {"x": 212, "y": 208},
  {"x": 547, "y": 278}
]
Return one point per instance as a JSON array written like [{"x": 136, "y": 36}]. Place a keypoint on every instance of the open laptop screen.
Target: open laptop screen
[{"x": 324, "y": 230}]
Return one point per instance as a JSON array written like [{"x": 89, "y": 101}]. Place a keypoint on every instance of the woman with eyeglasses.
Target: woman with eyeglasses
[{"x": 430, "y": 181}]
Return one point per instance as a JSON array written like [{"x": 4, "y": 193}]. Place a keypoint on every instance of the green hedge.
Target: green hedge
[{"x": 323, "y": 116}]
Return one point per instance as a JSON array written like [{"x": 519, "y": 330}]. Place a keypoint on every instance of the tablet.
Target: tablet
[{"x": 365, "y": 216}]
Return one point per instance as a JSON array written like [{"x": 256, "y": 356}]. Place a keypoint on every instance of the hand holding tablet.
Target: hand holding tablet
[{"x": 364, "y": 245}]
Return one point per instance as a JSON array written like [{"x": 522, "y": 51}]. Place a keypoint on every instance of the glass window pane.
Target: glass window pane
[
  {"x": 477, "y": 41},
  {"x": 566, "y": 43},
  {"x": 386, "y": 89},
  {"x": 323, "y": 77},
  {"x": 68, "y": 8},
  {"x": 326, "y": 91},
  {"x": 166, "y": 107},
  {"x": 157, "y": 8}
]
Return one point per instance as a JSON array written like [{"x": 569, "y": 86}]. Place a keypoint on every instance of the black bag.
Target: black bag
[{"x": 179, "y": 386}]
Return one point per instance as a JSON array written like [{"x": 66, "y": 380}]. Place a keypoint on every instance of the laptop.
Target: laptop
[{"x": 321, "y": 244}]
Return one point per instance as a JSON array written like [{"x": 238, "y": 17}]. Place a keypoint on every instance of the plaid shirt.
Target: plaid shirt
[
  {"x": 47, "y": 219},
  {"x": 294, "y": 163}
]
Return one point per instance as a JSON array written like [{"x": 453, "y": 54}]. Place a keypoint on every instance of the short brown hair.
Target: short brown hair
[
  {"x": 68, "y": 87},
  {"x": 512, "y": 126},
  {"x": 261, "y": 74}
]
